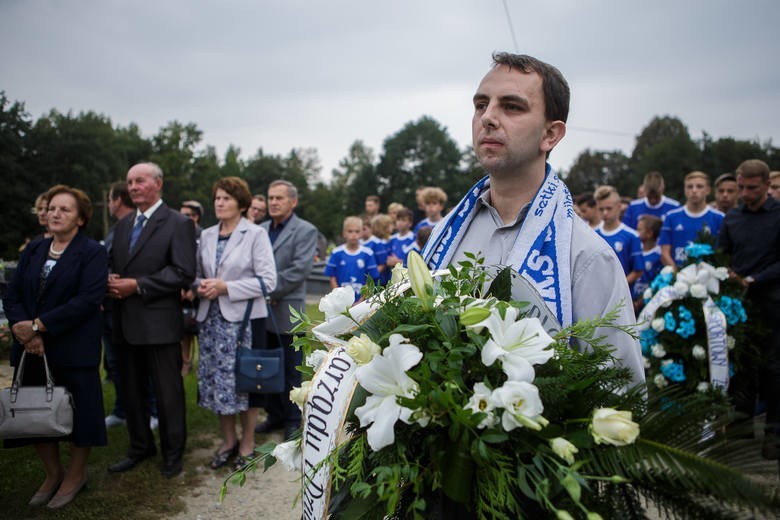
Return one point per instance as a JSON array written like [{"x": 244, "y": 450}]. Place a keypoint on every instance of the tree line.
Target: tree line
[{"x": 88, "y": 151}]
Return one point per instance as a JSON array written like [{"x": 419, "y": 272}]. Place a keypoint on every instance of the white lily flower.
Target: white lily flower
[
  {"x": 522, "y": 405},
  {"x": 419, "y": 276},
  {"x": 316, "y": 358},
  {"x": 384, "y": 377},
  {"x": 698, "y": 352},
  {"x": 336, "y": 302},
  {"x": 519, "y": 344},
  {"x": 289, "y": 454},
  {"x": 480, "y": 402}
]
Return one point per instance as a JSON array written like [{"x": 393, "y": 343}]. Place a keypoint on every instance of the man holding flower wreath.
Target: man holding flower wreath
[{"x": 522, "y": 214}]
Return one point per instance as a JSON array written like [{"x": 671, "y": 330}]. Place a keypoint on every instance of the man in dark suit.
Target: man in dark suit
[
  {"x": 152, "y": 259},
  {"x": 294, "y": 242}
]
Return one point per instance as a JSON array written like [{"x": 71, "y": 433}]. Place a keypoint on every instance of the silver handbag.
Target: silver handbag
[{"x": 35, "y": 411}]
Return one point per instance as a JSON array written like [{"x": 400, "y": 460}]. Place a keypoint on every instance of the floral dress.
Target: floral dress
[{"x": 217, "y": 350}]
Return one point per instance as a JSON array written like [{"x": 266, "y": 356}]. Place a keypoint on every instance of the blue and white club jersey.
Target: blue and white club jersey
[
  {"x": 649, "y": 262},
  {"x": 640, "y": 207},
  {"x": 381, "y": 249},
  {"x": 624, "y": 241},
  {"x": 351, "y": 267},
  {"x": 400, "y": 245},
  {"x": 680, "y": 228},
  {"x": 425, "y": 223}
]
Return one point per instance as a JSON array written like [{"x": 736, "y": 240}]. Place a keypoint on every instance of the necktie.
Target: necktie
[{"x": 139, "y": 226}]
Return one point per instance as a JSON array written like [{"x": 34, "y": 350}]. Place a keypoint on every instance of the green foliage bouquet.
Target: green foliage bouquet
[{"x": 437, "y": 398}]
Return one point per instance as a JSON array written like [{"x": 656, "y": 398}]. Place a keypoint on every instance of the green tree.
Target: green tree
[
  {"x": 174, "y": 150},
  {"x": 421, "y": 153},
  {"x": 261, "y": 169},
  {"x": 666, "y": 146},
  {"x": 724, "y": 154},
  {"x": 592, "y": 168},
  {"x": 17, "y": 196}
]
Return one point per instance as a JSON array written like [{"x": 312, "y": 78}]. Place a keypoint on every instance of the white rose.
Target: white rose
[
  {"x": 316, "y": 358},
  {"x": 299, "y": 394},
  {"x": 564, "y": 449},
  {"x": 615, "y": 427},
  {"x": 698, "y": 291},
  {"x": 658, "y": 324},
  {"x": 398, "y": 274},
  {"x": 646, "y": 362},
  {"x": 667, "y": 269},
  {"x": 362, "y": 349},
  {"x": 337, "y": 301},
  {"x": 703, "y": 386},
  {"x": 658, "y": 350},
  {"x": 730, "y": 342},
  {"x": 647, "y": 294},
  {"x": 660, "y": 381},
  {"x": 721, "y": 273},
  {"x": 289, "y": 454},
  {"x": 698, "y": 352}
]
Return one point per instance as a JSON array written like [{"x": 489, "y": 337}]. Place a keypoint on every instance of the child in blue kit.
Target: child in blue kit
[
  {"x": 621, "y": 238},
  {"x": 378, "y": 242},
  {"x": 402, "y": 241},
  {"x": 648, "y": 229},
  {"x": 350, "y": 263}
]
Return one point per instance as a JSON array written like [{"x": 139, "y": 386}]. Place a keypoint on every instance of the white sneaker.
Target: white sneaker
[
  {"x": 112, "y": 420},
  {"x": 153, "y": 423}
]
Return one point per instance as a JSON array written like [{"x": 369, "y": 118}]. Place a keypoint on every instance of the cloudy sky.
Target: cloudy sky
[{"x": 290, "y": 73}]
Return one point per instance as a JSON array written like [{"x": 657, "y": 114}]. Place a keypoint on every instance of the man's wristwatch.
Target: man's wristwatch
[{"x": 35, "y": 326}]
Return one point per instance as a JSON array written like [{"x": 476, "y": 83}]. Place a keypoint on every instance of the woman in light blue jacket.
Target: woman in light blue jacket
[{"x": 231, "y": 255}]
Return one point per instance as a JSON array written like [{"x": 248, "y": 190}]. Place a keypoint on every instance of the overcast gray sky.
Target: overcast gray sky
[{"x": 284, "y": 74}]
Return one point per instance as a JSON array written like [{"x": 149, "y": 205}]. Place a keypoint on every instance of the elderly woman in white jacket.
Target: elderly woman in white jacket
[{"x": 231, "y": 255}]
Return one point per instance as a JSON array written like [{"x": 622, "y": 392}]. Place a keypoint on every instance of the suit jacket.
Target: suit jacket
[
  {"x": 68, "y": 305},
  {"x": 247, "y": 254},
  {"x": 163, "y": 263},
  {"x": 294, "y": 251}
]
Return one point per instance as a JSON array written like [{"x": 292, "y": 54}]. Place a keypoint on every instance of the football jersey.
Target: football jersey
[
  {"x": 425, "y": 223},
  {"x": 649, "y": 262},
  {"x": 351, "y": 267},
  {"x": 381, "y": 249},
  {"x": 640, "y": 207},
  {"x": 624, "y": 241},
  {"x": 680, "y": 228},
  {"x": 401, "y": 245}
]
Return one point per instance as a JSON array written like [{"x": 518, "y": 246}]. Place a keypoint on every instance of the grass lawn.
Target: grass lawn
[{"x": 141, "y": 493}]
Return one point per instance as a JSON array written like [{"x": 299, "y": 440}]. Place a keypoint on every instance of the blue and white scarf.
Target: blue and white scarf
[{"x": 541, "y": 252}]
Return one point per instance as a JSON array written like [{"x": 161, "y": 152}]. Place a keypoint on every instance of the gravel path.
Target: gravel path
[{"x": 264, "y": 495}]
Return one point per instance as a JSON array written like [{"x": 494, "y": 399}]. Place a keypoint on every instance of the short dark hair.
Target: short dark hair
[
  {"x": 194, "y": 205},
  {"x": 258, "y": 196},
  {"x": 585, "y": 198},
  {"x": 654, "y": 224},
  {"x": 118, "y": 190},
  {"x": 554, "y": 86},
  {"x": 237, "y": 188},
  {"x": 83, "y": 204},
  {"x": 725, "y": 178},
  {"x": 405, "y": 214}
]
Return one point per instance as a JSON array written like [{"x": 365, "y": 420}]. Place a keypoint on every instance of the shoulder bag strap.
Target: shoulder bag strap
[{"x": 270, "y": 311}]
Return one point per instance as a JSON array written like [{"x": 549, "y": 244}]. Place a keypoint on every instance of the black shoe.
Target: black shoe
[
  {"x": 125, "y": 464},
  {"x": 171, "y": 469},
  {"x": 222, "y": 457},
  {"x": 268, "y": 426}
]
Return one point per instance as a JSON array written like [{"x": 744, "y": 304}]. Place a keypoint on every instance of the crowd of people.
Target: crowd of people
[{"x": 161, "y": 281}]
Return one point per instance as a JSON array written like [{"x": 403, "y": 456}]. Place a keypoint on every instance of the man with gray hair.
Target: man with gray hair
[
  {"x": 294, "y": 243},
  {"x": 152, "y": 259}
]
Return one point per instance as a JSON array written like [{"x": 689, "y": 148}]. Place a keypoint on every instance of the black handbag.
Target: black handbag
[
  {"x": 35, "y": 411},
  {"x": 258, "y": 371}
]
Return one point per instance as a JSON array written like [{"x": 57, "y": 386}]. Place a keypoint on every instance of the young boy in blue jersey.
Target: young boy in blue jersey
[
  {"x": 402, "y": 241},
  {"x": 653, "y": 203},
  {"x": 621, "y": 238},
  {"x": 350, "y": 263},
  {"x": 648, "y": 229},
  {"x": 378, "y": 242},
  {"x": 682, "y": 225},
  {"x": 434, "y": 200}
]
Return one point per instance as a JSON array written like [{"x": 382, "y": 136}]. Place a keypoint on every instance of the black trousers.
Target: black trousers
[
  {"x": 162, "y": 365},
  {"x": 278, "y": 406}
]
